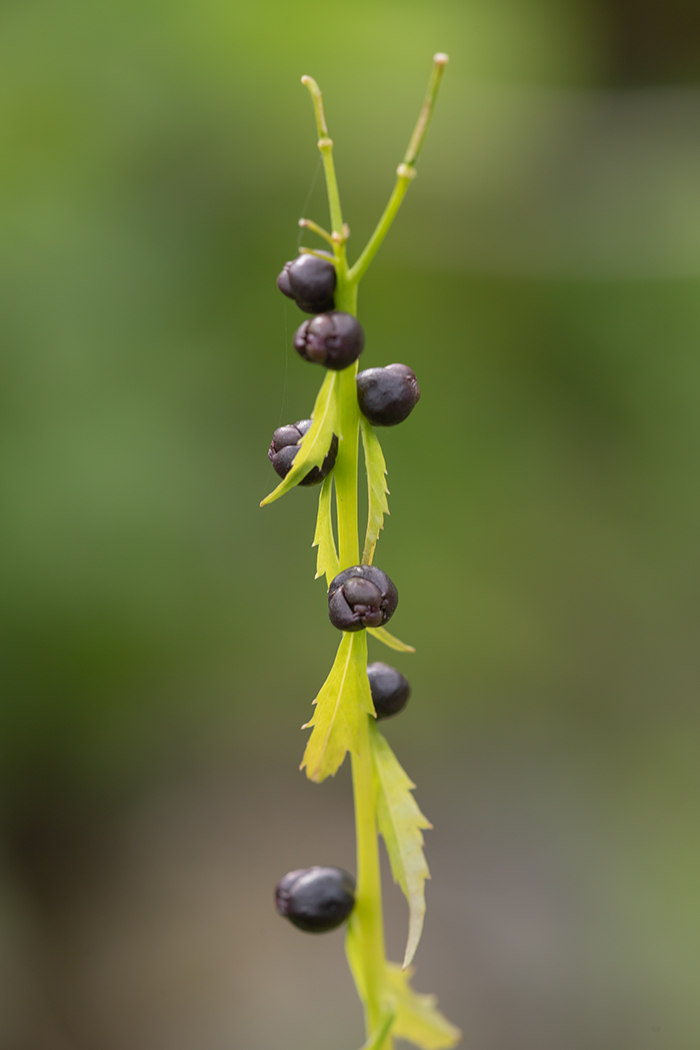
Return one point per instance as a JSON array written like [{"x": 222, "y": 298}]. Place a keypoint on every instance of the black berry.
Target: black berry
[
  {"x": 310, "y": 281},
  {"x": 388, "y": 395},
  {"x": 284, "y": 447},
  {"x": 389, "y": 688},
  {"x": 316, "y": 899},
  {"x": 362, "y": 596},
  {"x": 334, "y": 339}
]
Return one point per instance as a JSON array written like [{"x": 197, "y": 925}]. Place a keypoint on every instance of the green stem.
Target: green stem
[
  {"x": 367, "y": 913},
  {"x": 325, "y": 145},
  {"x": 309, "y": 224},
  {"x": 405, "y": 173}
]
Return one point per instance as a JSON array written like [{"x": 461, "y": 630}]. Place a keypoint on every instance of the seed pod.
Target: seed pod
[
  {"x": 334, "y": 339},
  {"x": 310, "y": 281},
  {"x": 362, "y": 596},
  {"x": 285, "y": 445},
  {"x": 388, "y": 395},
  {"x": 389, "y": 688},
  {"x": 316, "y": 899}
]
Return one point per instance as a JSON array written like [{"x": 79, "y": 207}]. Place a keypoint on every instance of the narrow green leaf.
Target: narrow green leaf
[
  {"x": 316, "y": 441},
  {"x": 382, "y": 635},
  {"x": 376, "y": 1040},
  {"x": 327, "y": 559},
  {"x": 344, "y": 696},
  {"x": 417, "y": 1017},
  {"x": 376, "y": 489},
  {"x": 400, "y": 822}
]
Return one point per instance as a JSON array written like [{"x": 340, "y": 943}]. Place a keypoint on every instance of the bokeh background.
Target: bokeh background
[{"x": 163, "y": 637}]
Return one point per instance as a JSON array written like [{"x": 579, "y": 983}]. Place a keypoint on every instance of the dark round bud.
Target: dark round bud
[
  {"x": 389, "y": 688},
  {"x": 284, "y": 447},
  {"x": 311, "y": 279},
  {"x": 362, "y": 596},
  {"x": 388, "y": 395},
  {"x": 283, "y": 281},
  {"x": 315, "y": 308},
  {"x": 334, "y": 339},
  {"x": 316, "y": 899}
]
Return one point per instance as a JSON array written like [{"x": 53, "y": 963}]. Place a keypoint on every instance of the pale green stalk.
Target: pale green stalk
[{"x": 405, "y": 173}]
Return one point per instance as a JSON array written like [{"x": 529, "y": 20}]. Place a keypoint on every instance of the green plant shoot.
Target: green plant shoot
[{"x": 344, "y": 717}]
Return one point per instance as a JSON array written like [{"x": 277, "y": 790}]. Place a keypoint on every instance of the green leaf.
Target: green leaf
[
  {"x": 382, "y": 635},
  {"x": 417, "y": 1017},
  {"x": 316, "y": 441},
  {"x": 400, "y": 822},
  {"x": 327, "y": 559},
  {"x": 376, "y": 1040},
  {"x": 376, "y": 489},
  {"x": 344, "y": 697}
]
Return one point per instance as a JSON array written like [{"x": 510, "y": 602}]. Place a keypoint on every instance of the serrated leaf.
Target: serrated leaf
[
  {"x": 343, "y": 699},
  {"x": 316, "y": 441},
  {"x": 417, "y": 1017},
  {"x": 327, "y": 558},
  {"x": 377, "y": 490},
  {"x": 382, "y": 635},
  {"x": 400, "y": 823}
]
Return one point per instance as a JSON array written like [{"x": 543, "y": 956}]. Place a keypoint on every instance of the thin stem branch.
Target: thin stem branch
[
  {"x": 418, "y": 137},
  {"x": 318, "y": 252},
  {"x": 309, "y": 224},
  {"x": 405, "y": 173},
  {"x": 325, "y": 145}
]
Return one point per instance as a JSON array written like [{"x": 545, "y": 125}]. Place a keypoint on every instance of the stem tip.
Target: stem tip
[{"x": 440, "y": 59}]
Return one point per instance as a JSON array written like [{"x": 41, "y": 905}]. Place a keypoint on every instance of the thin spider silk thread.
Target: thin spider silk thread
[
  {"x": 309, "y": 195},
  {"x": 286, "y": 359},
  {"x": 312, "y": 187}
]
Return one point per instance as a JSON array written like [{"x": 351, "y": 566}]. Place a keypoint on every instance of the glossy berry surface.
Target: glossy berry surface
[
  {"x": 389, "y": 688},
  {"x": 316, "y": 899},
  {"x": 285, "y": 445},
  {"x": 388, "y": 395},
  {"x": 310, "y": 281},
  {"x": 362, "y": 596},
  {"x": 334, "y": 339}
]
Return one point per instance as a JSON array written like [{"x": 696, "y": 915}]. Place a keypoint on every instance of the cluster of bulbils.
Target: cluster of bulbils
[{"x": 319, "y": 899}]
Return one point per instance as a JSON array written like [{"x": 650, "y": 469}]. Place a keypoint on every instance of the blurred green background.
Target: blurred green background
[{"x": 163, "y": 637}]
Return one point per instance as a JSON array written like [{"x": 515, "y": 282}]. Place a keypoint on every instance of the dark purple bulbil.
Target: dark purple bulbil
[
  {"x": 284, "y": 447},
  {"x": 362, "y": 596},
  {"x": 389, "y": 688},
  {"x": 310, "y": 281},
  {"x": 388, "y": 395},
  {"x": 316, "y": 899},
  {"x": 334, "y": 339}
]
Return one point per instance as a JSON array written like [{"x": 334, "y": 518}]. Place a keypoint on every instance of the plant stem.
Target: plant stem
[
  {"x": 368, "y": 911},
  {"x": 367, "y": 917},
  {"x": 405, "y": 173}
]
